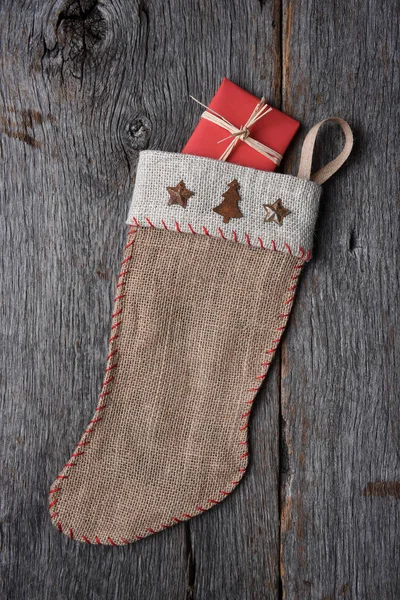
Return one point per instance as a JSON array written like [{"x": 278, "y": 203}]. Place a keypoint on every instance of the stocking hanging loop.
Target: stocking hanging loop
[{"x": 328, "y": 170}]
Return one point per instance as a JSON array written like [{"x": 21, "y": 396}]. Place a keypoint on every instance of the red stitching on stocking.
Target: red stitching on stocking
[
  {"x": 254, "y": 390},
  {"x": 107, "y": 382},
  {"x": 220, "y": 233},
  {"x": 149, "y": 222},
  {"x": 126, "y": 259}
]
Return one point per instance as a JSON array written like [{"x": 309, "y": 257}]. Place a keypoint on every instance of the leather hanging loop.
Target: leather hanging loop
[{"x": 307, "y": 152}]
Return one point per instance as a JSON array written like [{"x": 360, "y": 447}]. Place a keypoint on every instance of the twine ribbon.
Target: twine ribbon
[{"x": 241, "y": 134}]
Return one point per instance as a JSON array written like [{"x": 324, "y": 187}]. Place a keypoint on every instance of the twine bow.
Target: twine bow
[{"x": 241, "y": 134}]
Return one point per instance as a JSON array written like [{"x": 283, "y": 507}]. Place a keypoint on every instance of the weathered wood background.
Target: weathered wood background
[{"x": 84, "y": 86}]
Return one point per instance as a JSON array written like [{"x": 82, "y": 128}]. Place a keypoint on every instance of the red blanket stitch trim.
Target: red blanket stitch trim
[
  {"x": 112, "y": 364},
  {"x": 243, "y": 457},
  {"x": 258, "y": 243}
]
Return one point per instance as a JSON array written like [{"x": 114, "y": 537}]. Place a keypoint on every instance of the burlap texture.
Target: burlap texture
[
  {"x": 198, "y": 316},
  {"x": 208, "y": 179}
]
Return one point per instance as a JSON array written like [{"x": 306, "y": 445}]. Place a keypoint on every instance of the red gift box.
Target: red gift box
[{"x": 275, "y": 130}]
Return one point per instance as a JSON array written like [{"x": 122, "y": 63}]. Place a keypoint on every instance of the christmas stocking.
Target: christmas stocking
[{"x": 207, "y": 282}]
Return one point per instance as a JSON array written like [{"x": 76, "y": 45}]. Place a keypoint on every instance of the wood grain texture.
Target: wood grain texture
[
  {"x": 236, "y": 550},
  {"x": 72, "y": 119},
  {"x": 340, "y": 372},
  {"x": 83, "y": 87}
]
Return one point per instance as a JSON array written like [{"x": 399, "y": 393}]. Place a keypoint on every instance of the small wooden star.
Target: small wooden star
[
  {"x": 179, "y": 194},
  {"x": 276, "y": 212}
]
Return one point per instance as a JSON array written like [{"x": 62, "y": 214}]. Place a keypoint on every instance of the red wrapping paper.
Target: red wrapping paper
[{"x": 276, "y": 130}]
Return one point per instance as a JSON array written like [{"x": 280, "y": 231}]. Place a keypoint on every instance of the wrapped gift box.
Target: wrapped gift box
[{"x": 275, "y": 129}]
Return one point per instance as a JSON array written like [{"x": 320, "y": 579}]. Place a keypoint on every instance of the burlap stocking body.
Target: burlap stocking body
[{"x": 201, "y": 306}]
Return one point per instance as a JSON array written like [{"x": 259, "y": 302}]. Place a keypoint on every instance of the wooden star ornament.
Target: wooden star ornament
[
  {"x": 276, "y": 212},
  {"x": 179, "y": 194}
]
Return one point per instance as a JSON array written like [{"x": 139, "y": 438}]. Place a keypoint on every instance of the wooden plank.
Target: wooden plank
[
  {"x": 340, "y": 501},
  {"x": 72, "y": 120},
  {"x": 236, "y": 545},
  {"x": 84, "y": 87}
]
